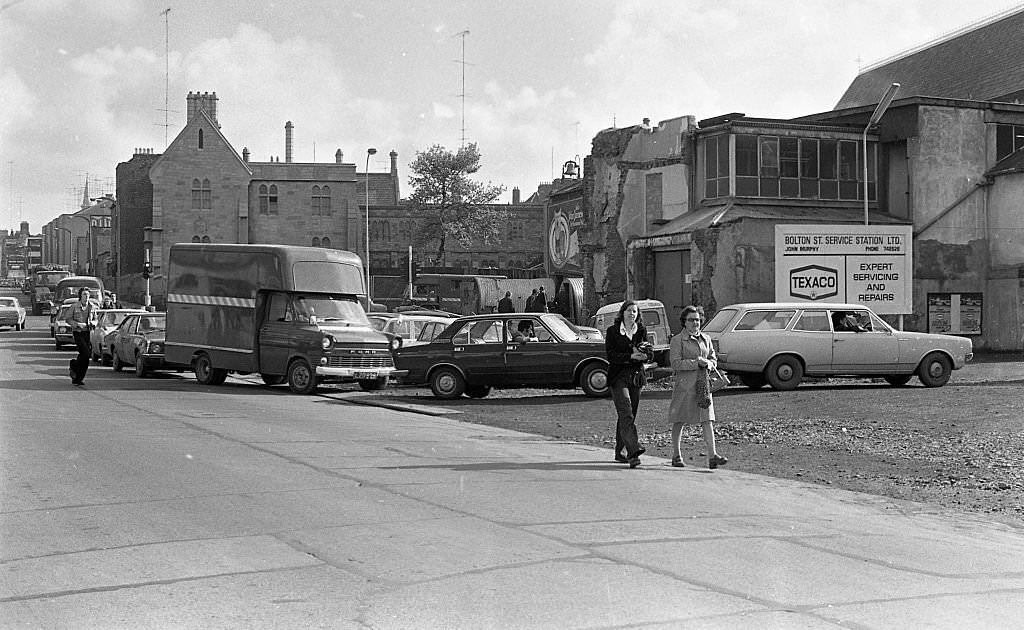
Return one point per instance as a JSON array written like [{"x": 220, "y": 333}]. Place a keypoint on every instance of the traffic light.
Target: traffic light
[{"x": 147, "y": 270}]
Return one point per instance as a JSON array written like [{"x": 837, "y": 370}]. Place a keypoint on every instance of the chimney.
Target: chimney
[
  {"x": 338, "y": 156},
  {"x": 205, "y": 102},
  {"x": 394, "y": 162},
  {"x": 245, "y": 154},
  {"x": 515, "y": 195},
  {"x": 288, "y": 126}
]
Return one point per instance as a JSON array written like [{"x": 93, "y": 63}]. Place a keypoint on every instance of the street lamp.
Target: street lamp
[
  {"x": 883, "y": 104},
  {"x": 369, "y": 298}
]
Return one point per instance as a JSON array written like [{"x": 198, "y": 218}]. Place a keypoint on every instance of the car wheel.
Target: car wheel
[
  {"x": 140, "y": 365},
  {"x": 753, "y": 381},
  {"x": 594, "y": 380},
  {"x": 784, "y": 372},
  {"x": 206, "y": 373},
  {"x": 272, "y": 379},
  {"x": 301, "y": 377},
  {"x": 105, "y": 358},
  {"x": 935, "y": 370},
  {"x": 898, "y": 380},
  {"x": 115, "y": 361},
  {"x": 372, "y": 384},
  {"x": 447, "y": 383},
  {"x": 478, "y": 391}
]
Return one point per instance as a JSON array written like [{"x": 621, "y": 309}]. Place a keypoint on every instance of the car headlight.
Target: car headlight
[
  {"x": 396, "y": 343},
  {"x": 327, "y": 342},
  {"x": 156, "y": 348}
]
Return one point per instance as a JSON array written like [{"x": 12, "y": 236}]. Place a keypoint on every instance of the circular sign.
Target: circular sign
[{"x": 558, "y": 239}]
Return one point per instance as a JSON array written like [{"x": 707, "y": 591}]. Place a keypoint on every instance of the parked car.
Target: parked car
[
  {"x": 107, "y": 320},
  {"x": 12, "y": 313},
  {"x": 403, "y": 329},
  {"x": 61, "y": 330},
  {"x": 57, "y": 314},
  {"x": 139, "y": 341},
  {"x": 477, "y": 352},
  {"x": 659, "y": 334},
  {"x": 780, "y": 343}
]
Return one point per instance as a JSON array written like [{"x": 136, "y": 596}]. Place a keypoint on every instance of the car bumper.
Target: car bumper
[{"x": 361, "y": 374}]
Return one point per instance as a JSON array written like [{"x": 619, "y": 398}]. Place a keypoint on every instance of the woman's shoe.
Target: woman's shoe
[
  {"x": 717, "y": 460},
  {"x": 634, "y": 462},
  {"x": 621, "y": 458},
  {"x": 678, "y": 462}
]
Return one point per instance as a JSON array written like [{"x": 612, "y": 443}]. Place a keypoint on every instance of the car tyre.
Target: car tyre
[
  {"x": 372, "y": 384},
  {"x": 478, "y": 391},
  {"x": 898, "y": 380},
  {"x": 301, "y": 377},
  {"x": 447, "y": 383},
  {"x": 105, "y": 358},
  {"x": 594, "y": 380},
  {"x": 753, "y": 381},
  {"x": 206, "y": 373},
  {"x": 272, "y": 379},
  {"x": 784, "y": 372},
  {"x": 935, "y": 370},
  {"x": 140, "y": 366},
  {"x": 115, "y": 362}
]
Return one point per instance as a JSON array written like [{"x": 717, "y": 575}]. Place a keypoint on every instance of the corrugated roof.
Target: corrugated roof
[{"x": 983, "y": 62}]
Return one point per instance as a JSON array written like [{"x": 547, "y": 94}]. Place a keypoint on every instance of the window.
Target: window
[
  {"x": 321, "y": 201},
  {"x": 716, "y": 166},
  {"x": 268, "y": 199},
  {"x": 478, "y": 332},
  {"x": 195, "y": 239},
  {"x": 765, "y": 320},
  {"x": 206, "y": 239},
  {"x": 316, "y": 242},
  {"x": 1009, "y": 138},
  {"x": 325, "y": 242},
  {"x": 200, "y": 138},
  {"x": 813, "y": 321},
  {"x": 201, "y": 195}
]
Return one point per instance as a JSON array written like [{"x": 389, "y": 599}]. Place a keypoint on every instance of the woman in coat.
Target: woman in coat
[
  {"x": 691, "y": 356},
  {"x": 626, "y": 378}
]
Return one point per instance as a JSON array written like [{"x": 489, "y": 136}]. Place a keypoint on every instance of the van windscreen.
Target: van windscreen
[{"x": 328, "y": 277}]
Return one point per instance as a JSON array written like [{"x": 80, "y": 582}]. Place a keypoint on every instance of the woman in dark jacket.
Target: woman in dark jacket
[{"x": 622, "y": 343}]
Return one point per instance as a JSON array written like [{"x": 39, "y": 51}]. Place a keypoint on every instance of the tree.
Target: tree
[{"x": 453, "y": 205}]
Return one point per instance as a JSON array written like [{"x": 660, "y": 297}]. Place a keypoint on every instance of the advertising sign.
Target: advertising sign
[
  {"x": 859, "y": 264},
  {"x": 954, "y": 313},
  {"x": 564, "y": 220}
]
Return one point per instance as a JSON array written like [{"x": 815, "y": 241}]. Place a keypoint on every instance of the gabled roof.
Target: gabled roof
[
  {"x": 210, "y": 124},
  {"x": 984, "y": 62}
]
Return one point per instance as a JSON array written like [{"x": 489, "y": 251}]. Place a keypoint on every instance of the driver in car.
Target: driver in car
[{"x": 524, "y": 332}]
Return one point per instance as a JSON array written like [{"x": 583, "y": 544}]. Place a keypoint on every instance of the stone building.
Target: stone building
[{"x": 686, "y": 211}]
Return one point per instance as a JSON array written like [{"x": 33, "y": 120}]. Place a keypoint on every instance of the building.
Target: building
[
  {"x": 686, "y": 211},
  {"x": 81, "y": 240}
]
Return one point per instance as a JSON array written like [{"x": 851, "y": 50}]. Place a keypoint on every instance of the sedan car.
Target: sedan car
[
  {"x": 107, "y": 320},
  {"x": 780, "y": 343},
  {"x": 477, "y": 352},
  {"x": 12, "y": 313},
  {"x": 408, "y": 327},
  {"x": 61, "y": 329},
  {"x": 139, "y": 342}
]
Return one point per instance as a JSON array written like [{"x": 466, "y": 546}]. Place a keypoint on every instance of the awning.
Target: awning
[{"x": 679, "y": 231}]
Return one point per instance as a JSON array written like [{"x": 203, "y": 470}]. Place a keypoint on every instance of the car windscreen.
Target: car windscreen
[
  {"x": 719, "y": 321},
  {"x": 331, "y": 308},
  {"x": 8, "y": 302},
  {"x": 561, "y": 327}
]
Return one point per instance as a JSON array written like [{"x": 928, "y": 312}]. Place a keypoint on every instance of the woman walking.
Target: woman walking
[
  {"x": 80, "y": 319},
  {"x": 624, "y": 343},
  {"x": 691, "y": 356}
]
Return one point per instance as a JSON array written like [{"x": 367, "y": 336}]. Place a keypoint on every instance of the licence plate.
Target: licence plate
[{"x": 366, "y": 375}]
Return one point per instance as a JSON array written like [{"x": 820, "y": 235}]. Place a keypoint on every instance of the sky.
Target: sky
[{"x": 83, "y": 83}]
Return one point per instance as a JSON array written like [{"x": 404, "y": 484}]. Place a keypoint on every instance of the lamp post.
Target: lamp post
[
  {"x": 369, "y": 298},
  {"x": 883, "y": 104}
]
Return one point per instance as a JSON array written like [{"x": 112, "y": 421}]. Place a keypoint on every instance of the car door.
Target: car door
[
  {"x": 276, "y": 332},
  {"x": 811, "y": 336},
  {"x": 478, "y": 347},
  {"x": 872, "y": 350},
  {"x": 535, "y": 362},
  {"x": 124, "y": 339}
]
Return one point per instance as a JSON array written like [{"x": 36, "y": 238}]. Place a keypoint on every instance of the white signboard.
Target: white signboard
[{"x": 860, "y": 264}]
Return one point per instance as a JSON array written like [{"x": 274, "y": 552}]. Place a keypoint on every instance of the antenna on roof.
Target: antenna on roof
[
  {"x": 167, "y": 70},
  {"x": 462, "y": 62}
]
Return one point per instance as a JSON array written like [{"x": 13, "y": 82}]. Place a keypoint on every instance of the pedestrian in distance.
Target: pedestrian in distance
[
  {"x": 627, "y": 349},
  {"x": 540, "y": 304},
  {"x": 530, "y": 302},
  {"x": 80, "y": 318},
  {"x": 505, "y": 303},
  {"x": 691, "y": 355}
]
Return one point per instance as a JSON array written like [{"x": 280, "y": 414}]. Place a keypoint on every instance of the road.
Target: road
[{"x": 160, "y": 503}]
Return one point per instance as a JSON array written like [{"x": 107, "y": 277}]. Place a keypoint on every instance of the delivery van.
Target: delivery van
[
  {"x": 653, "y": 314},
  {"x": 291, "y": 314}
]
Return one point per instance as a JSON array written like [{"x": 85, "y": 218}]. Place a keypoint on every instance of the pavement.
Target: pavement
[{"x": 407, "y": 519}]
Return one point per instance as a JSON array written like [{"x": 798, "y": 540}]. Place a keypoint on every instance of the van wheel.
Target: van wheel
[
  {"x": 784, "y": 372},
  {"x": 935, "y": 370},
  {"x": 447, "y": 383},
  {"x": 753, "y": 381},
  {"x": 140, "y": 366},
  {"x": 206, "y": 373},
  {"x": 373, "y": 384},
  {"x": 594, "y": 380},
  {"x": 301, "y": 377},
  {"x": 897, "y": 380},
  {"x": 272, "y": 379},
  {"x": 115, "y": 362}
]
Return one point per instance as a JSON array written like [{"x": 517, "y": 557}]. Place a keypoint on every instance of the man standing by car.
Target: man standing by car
[
  {"x": 80, "y": 319},
  {"x": 505, "y": 303}
]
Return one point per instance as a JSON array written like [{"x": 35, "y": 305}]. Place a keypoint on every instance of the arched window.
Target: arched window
[
  {"x": 387, "y": 230},
  {"x": 200, "y": 138},
  {"x": 326, "y": 242},
  {"x": 195, "y": 239},
  {"x": 273, "y": 199},
  {"x": 321, "y": 201},
  {"x": 264, "y": 199},
  {"x": 201, "y": 195},
  {"x": 316, "y": 241},
  {"x": 206, "y": 239}
]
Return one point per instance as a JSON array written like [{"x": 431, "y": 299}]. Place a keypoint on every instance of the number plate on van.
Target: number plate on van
[{"x": 366, "y": 375}]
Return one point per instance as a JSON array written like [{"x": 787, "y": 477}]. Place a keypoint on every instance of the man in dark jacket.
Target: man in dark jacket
[
  {"x": 541, "y": 303},
  {"x": 505, "y": 303},
  {"x": 531, "y": 302}
]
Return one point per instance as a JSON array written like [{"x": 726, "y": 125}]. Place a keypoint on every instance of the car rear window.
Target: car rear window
[
  {"x": 813, "y": 321},
  {"x": 719, "y": 321},
  {"x": 765, "y": 320}
]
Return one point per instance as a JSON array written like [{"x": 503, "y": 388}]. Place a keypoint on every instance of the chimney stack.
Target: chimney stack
[
  {"x": 245, "y": 154},
  {"x": 339, "y": 156},
  {"x": 205, "y": 102},
  {"x": 394, "y": 162},
  {"x": 288, "y": 141},
  {"x": 515, "y": 195}
]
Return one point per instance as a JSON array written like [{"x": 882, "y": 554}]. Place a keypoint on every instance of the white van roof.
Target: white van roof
[{"x": 614, "y": 308}]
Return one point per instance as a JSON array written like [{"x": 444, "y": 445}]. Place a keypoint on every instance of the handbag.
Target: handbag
[
  {"x": 717, "y": 380},
  {"x": 638, "y": 378}
]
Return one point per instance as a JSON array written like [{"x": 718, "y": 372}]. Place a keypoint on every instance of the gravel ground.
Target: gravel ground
[{"x": 960, "y": 446}]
